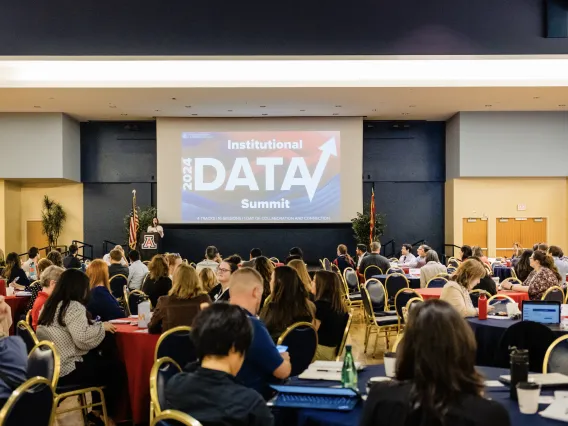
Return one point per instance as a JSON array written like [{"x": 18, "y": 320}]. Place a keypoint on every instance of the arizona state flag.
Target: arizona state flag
[
  {"x": 134, "y": 223},
  {"x": 372, "y": 215}
]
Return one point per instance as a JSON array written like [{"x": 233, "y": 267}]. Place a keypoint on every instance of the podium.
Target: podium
[{"x": 150, "y": 245}]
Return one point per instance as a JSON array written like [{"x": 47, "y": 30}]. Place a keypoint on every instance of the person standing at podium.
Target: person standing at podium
[{"x": 156, "y": 227}]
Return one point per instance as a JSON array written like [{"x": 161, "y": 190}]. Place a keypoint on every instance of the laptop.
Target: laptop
[
  {"x": 315, "y": 397},
  {"x": 541, "y": 311}
]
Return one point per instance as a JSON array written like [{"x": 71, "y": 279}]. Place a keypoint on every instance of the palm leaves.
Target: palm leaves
[{"x": 52, "y": 218}]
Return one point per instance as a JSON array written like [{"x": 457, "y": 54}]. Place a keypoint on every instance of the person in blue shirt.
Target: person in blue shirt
[
  {"x": 263, "y": 363},
  {"x": 102, "y": 303}
]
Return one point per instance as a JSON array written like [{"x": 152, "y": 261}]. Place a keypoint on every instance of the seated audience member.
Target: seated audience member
[
  {"x": 56, "y": 258},
  {"x": 477, "y": 252},
  {"x": 212, "y": 260},
  {"x": 361, "y": 252},
  {"x": 209, "y": 392},
  {"x": 374, "y": 258},
  {"x": 289, "y": 303},
  {"x": 295, "y": 253},
  {"x": 420, "y": 260},
  {"x": 255, "y": 253},
  {"x": 36, "y": 287},
  {"x": 456, "y": 291},
  {"x": 174, "y": 260},
  {"x": 234, "y": 258},
  {"x": 71, "y": 261},
  {"x": 302, "y": 270},
  {"x": 14, "y": 274},
  {"x": 523, "y": 267},
  {"x": 406, "y": 257},
  {"x": 343, "y": 260},
  {"x": 561, "y": 264},
  {"x": 30, "y": 265},
  {"x": 65, "y": 321},
  {"x": 116, "y": 266},
  {"x": 517, "y": 250},
  {"x": 432, "y": 268},
  {"x": 331, "y": 313},
  {"x": 102, "y": 303},
  {"x": 157, "y": 283},
  {"x": 13, "y": 356},
  {"x": 48, "y": 280},
  {"x": 136, "y": 271},
  {"x": 544, "y": 275},
  {"x": 208, "y": 279},
  {"x": 123, "y": 261},
  {"x": 182, "y": 304},
  {"x": 436, "y": 380},
  {"x": 486, "y": 282},
  {"x": 466, "y": 252},
  {"x": 220, "y": 293},
  {"x": 263, "y": 364},
  {"x": 543, "y": 247},
  {"x": 265, "y": 268}
]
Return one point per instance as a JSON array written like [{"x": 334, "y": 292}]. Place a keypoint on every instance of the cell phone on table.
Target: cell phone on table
[{"x": 281, "y": 348}]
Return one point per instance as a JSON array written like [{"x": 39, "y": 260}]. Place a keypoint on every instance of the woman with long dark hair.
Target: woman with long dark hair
[
  {"x": 265, "y": 268},
  {"x": 14, "y": 273},
  {"x": 289, "y": 303},
  {"x": 523, "y": 267},
  {"x": 437, "y": 384},
  {"x": 331, "y": 313}
]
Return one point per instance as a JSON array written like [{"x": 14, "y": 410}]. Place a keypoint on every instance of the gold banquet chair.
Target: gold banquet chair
[
  {"x": 162, "y": 371},
  {"x": 344, "y": 338},
  {"x": 173, "y": 417}
]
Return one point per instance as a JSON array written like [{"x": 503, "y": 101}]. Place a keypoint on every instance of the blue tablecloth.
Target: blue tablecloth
[
  {"x": 333, "y": 418},
  {"x": 413, "y": 281},
  {"x": 503, "y": 272}
]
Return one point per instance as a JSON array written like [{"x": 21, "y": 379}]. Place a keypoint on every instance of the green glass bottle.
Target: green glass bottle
[{"x": 349, "y": 371}]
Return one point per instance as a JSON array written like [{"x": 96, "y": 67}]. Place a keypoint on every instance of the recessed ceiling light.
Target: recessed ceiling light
[
  {"x": 37, "y": 106},
  {"x": 405, "y": 113},
  {"x": 112, "y": 106},
  {"x": 263, "y": 106},
  {"x": 188, "y": 106},
  {"x": 230, "y": 110},
  {"x": 123, "y": 114},
  {"x": 156, "y": 110},
  {"x": 52, "y": 98},
  {"x": 335, "y": 113},
  {"x": 562, "y": 105},
  {"x": 536, "y": 97},
  {"x": 374, "y": 110},
  {"x": 302, "y": 110},
  {"x": 264, "y": 114},
  {"x": 337, "y": 106},
  {"x": 488, "y": 105},
  {"x": 411, "y": 106},
  {"x": 193, "y": 114},
  {"x": 174, "y": 99}
]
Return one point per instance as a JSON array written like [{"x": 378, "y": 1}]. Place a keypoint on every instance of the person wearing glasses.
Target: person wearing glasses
[{"x": 220, "y": 293}]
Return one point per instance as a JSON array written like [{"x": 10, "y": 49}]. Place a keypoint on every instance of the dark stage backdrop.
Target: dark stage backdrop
[{"x": 406, "y": 165}]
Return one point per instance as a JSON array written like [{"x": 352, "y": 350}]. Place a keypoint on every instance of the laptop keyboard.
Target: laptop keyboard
[{"x": 315, "y": 401}]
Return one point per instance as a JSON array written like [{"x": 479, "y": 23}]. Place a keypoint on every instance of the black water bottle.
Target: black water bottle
[{"x": 519, "y": 369}]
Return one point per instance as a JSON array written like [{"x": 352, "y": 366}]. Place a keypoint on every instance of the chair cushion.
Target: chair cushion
[
  {"x": 385, "y": 313},
  {"x": 355, "y": 296},
  {"x": 387, "y": 320}
]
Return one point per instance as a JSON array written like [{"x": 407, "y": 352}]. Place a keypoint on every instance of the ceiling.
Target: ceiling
[{"x": 381, "y": 103}]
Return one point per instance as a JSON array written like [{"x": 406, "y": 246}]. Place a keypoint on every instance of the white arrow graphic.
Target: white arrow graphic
[{"x": 327, "y": 150}]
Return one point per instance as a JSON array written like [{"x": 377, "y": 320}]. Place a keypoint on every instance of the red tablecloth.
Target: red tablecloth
[
  {"x": 137, "y": 353},
  {"x": 18, "y": 306},
  {"x": 434, "y": 293}
]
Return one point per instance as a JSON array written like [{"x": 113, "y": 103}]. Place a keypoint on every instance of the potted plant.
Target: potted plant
[
  {"x": 362, "y": 227},
  {"x": 145, "y": 217},
  {"x": 52, "y": 218}
]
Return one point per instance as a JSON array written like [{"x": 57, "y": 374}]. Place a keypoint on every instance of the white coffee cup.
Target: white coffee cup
[
  {"x": 511, "y": 309},
  {"x": 390, "y": 364},
  {"x": 9, "y": 291},
  {"x": 528, "y": 394},
  {"x": 496, "y": 279}
]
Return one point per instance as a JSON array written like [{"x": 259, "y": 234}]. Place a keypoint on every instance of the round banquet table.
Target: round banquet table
[
  {"x": 435, "y": 293},
  {"x": 18, "y": 305},
  {"x": 503, "y": 272},
  {"x": 488, "y": 334},
  {"x": 136, "y": 350},
  {"x": 311, "y": 417},
  {"x": 413, "y": 281}
]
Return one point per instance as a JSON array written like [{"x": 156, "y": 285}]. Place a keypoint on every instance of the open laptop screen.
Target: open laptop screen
[
  {"x": 315, "y": 390},
  {"x": 541, "y": 311}
]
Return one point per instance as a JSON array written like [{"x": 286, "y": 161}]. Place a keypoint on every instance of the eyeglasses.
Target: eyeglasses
[{"x": 223, "y": 270}]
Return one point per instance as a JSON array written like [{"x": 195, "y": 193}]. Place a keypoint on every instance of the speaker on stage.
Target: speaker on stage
[{"x": 150, "y": 245}]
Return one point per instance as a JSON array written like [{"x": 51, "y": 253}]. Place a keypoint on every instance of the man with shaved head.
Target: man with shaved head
[{"x": 263, "y": 363}]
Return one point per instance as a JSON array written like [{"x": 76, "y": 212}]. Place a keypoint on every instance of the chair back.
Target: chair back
[
  {"x": 326, "y": 264},
  {"x": 43, "y": 361},
  {"x": 335, "y": 268},
  {"x": 174, "y": 418},
  {"x": 443, "y": 275},
  {"x": 134, "y": 298},
  {"x": 394, "y": 270},
  {"x": 452, "y": 261},
  {"x": 125, "y": 300},
  {"x": 193, "y": 265},
  {"x": 274, "y": 260},
  {"x": 525, "y": 335},
  {"x": 117, "y": 283},
  {"x": 350, "y": 277},
  {"x": 393, "y": 284},
  {"x": 341, "y": 347},
  {"x": 24, "y": 330},
  {"x": 393, "y": 260},
  {"x": 377, "y": 294},
  {"x": 436, "y": 282},
  {"x": 512, "y": 280},
  {"x": 476, "y": 294},
  {"x": 554, "y": 294},
  {"x": 367, "y": 306},
  {"x": 514, "y": 273},
  {"x": 30, "y": 404},
  {"x": 162, "y": 371},
  {"x": 402, "y": 297},
  {"x": 371, "y": 271},
  {"x": 176, "y": 344},
  {"x": 556, "y": 357},
  {"x": 302, "y": 341},
  {"x": 451, "y": 269}
]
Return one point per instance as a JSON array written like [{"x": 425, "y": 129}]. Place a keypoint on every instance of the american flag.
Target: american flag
[
  {"x": 134, "y": 224},
  {"x": 372, "y": 215}
]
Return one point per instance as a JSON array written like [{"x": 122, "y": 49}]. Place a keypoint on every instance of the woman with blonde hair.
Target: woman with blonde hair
[
  {"x": 208, "y": 279},
  {"x": 102, "y": 303},
  {"x": 300, "y": 267},
  {"x": 157, "y": 282},
  {"x": 456, "y": 291},
  {"x": 182, "y": 304}
]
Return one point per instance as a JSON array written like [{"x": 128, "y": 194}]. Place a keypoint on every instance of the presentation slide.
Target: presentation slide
[{"x": 254, "y": 175}]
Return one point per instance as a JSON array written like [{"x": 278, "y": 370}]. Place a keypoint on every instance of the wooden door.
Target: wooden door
[
  {"x": 475, "y": 233},
  {"x": 508, "y": 232},
  {"x": 35, "y": 237},
  {"x": 533, "y": 231}
]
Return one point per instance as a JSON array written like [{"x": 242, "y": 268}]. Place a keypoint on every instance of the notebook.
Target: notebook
[{"x": 541, "y": 311}]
